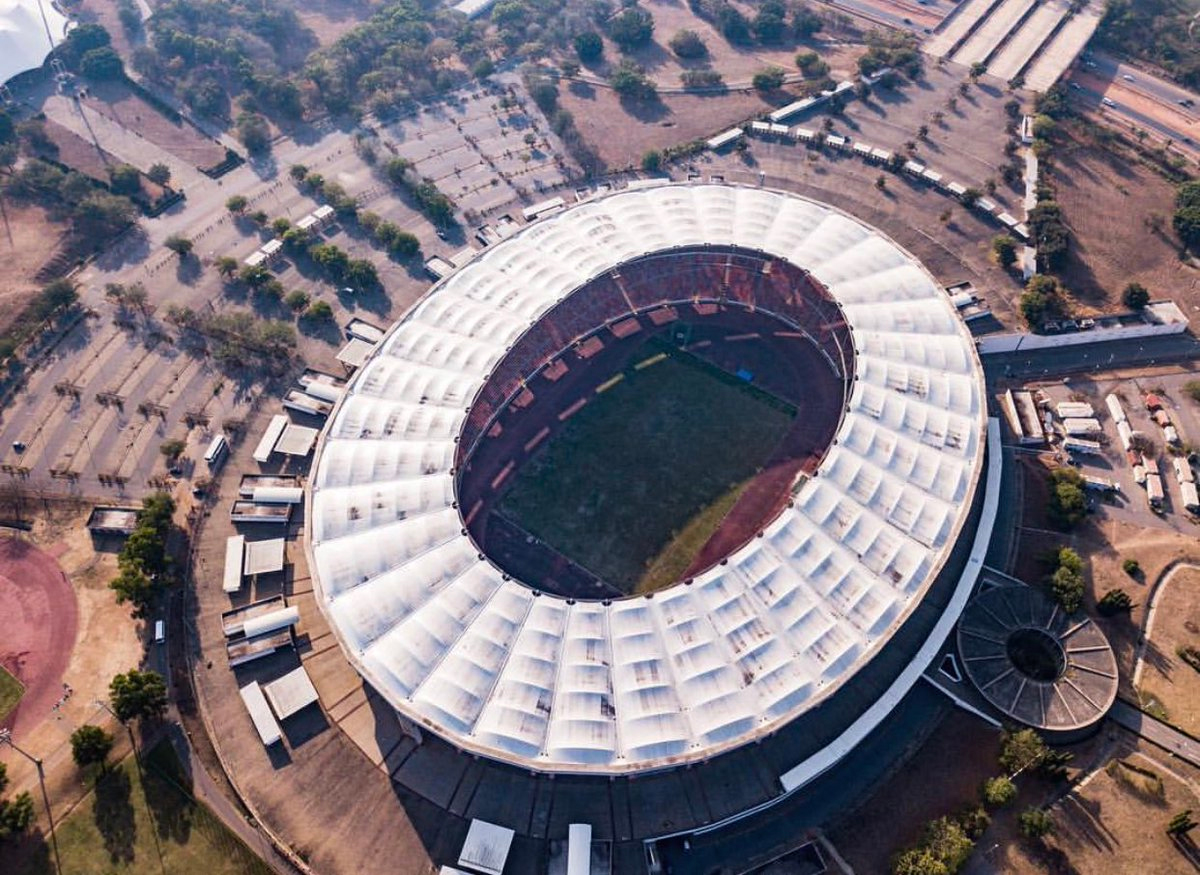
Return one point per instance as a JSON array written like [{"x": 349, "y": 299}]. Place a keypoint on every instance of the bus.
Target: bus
[{"x": 216, "y": 451}]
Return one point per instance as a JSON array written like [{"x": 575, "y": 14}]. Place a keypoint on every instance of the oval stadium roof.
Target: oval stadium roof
[
  {"x": 702, "y": 667},
  {"x": 28, "y": 31}
]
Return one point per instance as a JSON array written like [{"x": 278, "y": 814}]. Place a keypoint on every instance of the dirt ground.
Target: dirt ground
[
  {"x": 1113, "y": 822},
  {"x": 329, "y": 19},
  {"x": 107, "y": 642},
  {"x": 1110, "y": 203},
  {"x": 928, "y": 789},
  {"x": 737, "y": 64},
  {"x": 117, "y": 101},
  {"x": 78, "y": 154},
  {"x": 30, "y": 239},
  {"x": 1165, "y": 676}
]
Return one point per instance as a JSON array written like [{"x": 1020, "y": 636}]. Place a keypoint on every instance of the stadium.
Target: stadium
[{"x": 684, "y": 475}]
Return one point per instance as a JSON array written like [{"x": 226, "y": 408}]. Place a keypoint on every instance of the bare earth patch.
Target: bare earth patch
[
  {"x": 1165, "y": 675},
  {"x": 28, "y": 240},
  {"x": 117, "y": 101},
  {"x": 1109, "y": 201}
]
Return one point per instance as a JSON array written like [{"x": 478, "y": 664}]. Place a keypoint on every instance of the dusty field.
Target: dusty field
[
  {"x": 119, "y": 103},
  {"x": 329, "y": 19},
  {"x": 78, "y": 154},
  {"x": 622, "y": 136},
  {"x": 1110, "y": 202},
  {"x": 736, "y": 63},
  {"x": 1165, "y": 676},
  {"x": 1112, "y": 823},
  {"x": 29, "y": 240},
  {"x": 928, "y": 789}
]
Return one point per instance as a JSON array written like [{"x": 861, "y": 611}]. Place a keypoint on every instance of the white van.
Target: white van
[
  {"x": 216, "y": 451},
  {"x": 160, "y": 631}
]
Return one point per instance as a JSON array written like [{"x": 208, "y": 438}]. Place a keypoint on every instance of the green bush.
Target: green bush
[
  {"x": 999, "y": 791},
  {"x": 1113, "y": 602}
]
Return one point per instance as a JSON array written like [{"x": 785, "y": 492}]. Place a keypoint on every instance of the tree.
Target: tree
[
  {"x": 1004, "y": 248},
  {"x": 1135, "y": 296},
  {"x": 918, "y": 861},
  {"x": 405, "y": 245},
  {"x": 361, "y": 274},
  {"x": 1021, "y": 749},
  {"x": 3, "y": 777},
  {"x": 237, "y": 204},
  {"x": 226, "y": 265},
  {"x": 90, "y": 744},
  {"x": 82, "y": 39},
  {"x": 320, "y": 312},
  {"x": 297, "y": 300},
  {"x": 1035, "y": 823},
  {"x": 124, "y": 179},
  {"x": 1132, "y": 567},
  {"x": 16, "y": 815},
  {"x": 179, "y": 244},
  {"x": 1041, "y": 299},
  {"x": 252, "y": 130},
  {"x": 280, "y": 226},
  {"x": 652, "y": 161},
  {"x": 770, "y": 24},
  {"x": 1181, "y": 824},
  {"x": 102, "y": 63},
  {"x": 589, "y": 46},
  {"x": 977, "y": 69},
  {"x": 806, "y": 23},
  {"x": 947, "y": 841},
  {"x": 133, "y": 585},
  {"x": 999, "y": 791},
  {"x": 970, "y": 196},
  {"x": 159, "y": 173},
  {"x": 1113, "y": 602},
  {"x": 768, "y": 79},
  {"x": 1066, "y": 583},
  {"x": 629, "y": 81},
  {"x": 1049, "y": 231},
  {"x": 1186, "y": 223},
  {"x": 172, "y": 449},
  {"x": 631, "y": 28},
  {"x": 297, "y": 172},
  {"x": 254, "y": 275},
  {"x": 688, "y": 44},
  {"x": 1068, "y": 505},
  {"x": 733, "y": 24},
  {"x": 141, "y": 694}
]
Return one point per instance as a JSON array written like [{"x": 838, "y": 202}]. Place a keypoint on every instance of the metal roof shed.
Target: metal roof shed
[
  {"x": 263, "y": 557},
  {"x": 266, "y": 446},
  {"x": 291, "y": 693},
  {"x": 354, "y": 354},
  {"x": 297, "y": 440},
  {"x": 486, "y": 848},
  {"x": 272, "y": 622},
  {"x": 260, "y": 714},
  {"x": 235, "y": 550}
]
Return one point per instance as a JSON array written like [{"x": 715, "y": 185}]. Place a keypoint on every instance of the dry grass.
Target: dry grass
[
  {"x": 1165, "y": 676},
  {"x": 29, "y": 239},
  {"x": 117, "y": 101},
  {"x": 1109, "y": 201},
  {"x": 1114, "y": 823}
]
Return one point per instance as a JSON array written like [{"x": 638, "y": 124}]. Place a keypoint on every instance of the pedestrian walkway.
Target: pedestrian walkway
[{"x": 1156, "y": 732}]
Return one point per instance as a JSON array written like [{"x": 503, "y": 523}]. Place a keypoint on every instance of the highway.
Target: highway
[{"x": 1145, "y": 100}]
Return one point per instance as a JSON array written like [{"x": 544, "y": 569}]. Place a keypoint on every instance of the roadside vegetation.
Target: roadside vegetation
[
  {"x": 144, "y": 564},
  {"x": 1159, "y": 32}
]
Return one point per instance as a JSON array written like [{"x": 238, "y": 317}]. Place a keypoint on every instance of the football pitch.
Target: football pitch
[{"x": 637, "y": 480}]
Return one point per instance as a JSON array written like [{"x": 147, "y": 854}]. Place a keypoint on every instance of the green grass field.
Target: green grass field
[
  {"x": 639, "y": 479},
  {"x": 142, "y": 821},
  {"x": 11, "y": 691}
]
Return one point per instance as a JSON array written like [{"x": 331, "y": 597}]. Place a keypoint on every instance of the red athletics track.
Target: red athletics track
[{"x": 38, "y": 618}]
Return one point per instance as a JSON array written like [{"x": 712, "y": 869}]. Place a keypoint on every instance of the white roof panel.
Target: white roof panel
[{"x": 617, "y": 687}]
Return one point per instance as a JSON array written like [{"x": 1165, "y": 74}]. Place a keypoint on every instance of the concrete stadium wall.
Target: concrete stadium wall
[{"x": 1002, "y": 343}]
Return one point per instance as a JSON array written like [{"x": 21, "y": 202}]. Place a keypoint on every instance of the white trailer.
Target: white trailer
[
  {"x": 1125, "y": 434},
  {"x": 1154, "y": 490},
  {"x": 275, "y": 620},
  {"x": 1076, "y": 426},
  {"x": 278, "y": 495},
  {"x": 1190, "y": 499},
  {"x": 1083, "y": 446},
  {"x": 1183, "y": 471},
  {"x": 1115, "y": 409},
  {"x": 1074, "y": 410},
  {"x": 260, "y": 713}
]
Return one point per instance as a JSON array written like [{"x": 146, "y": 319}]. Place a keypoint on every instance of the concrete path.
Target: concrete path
[{"x": 1156, "y": 732}]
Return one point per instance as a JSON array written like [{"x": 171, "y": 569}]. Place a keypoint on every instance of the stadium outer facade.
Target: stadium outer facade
[{"x": 789, "y": 653}]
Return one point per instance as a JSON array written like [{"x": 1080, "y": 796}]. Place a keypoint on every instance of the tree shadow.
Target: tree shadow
[
  {"x": 114, "y": 816},
  {"x": 188, "y": 270},
  {"x": 162, "y": 781}
]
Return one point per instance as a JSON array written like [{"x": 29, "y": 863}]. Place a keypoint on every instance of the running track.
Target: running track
[{"x": 38, "y": 618}]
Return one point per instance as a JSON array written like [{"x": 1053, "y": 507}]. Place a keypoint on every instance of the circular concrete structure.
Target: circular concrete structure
[
  {"x": 820, "y": 612},
  {"x": 1037, "y": 664}
]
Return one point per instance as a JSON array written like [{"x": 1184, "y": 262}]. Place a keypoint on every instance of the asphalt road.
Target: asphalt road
[
  {"x": 1156, "y": 732},
  {"x": 1146, "y": 85},
  {"x": 1060, "y": 360}
]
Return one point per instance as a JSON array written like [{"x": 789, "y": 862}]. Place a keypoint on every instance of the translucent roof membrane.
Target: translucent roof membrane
[{"x": 701, "y": 667}]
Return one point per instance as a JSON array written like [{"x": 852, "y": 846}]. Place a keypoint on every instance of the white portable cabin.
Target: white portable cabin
[
  {"x": 862, "y": 150},
  {"x": 804, "y": 135},
  {"x": 1171, "y": 436},
  {"x": 272, "y": 249},
  {"x": 260, "y": 713},
  {"x": 235, "y": 550},
  {"x": 1115, "y": 410},
  {"x": 760, "y": 129},
  {"x": 726, "y": 138},
  {"x": 1190, "y": 499},
  {"x": 266, "y": 446},
  {"x": 1183, "y": 470},
  {"x": 836, "y": 141},
  {"x": 255, "y": 258},
  {"x": 1075, "y": 426},
  {"x": 324, "y": 215},
  {"x": 1139, "y": 474},
  {"x": 1125, "y": 434},
  {"x": 1083, "y": 446},
  {"x": 1154, "y": 490},
  {"x": 538, "y": 210},
  {"x": 913, "y": 168},
  {"x": 307, "y": 224},
  {"x": 932, "y": 177},
  {"x": 216, "y": 451},
  {"x": 1074, "y": 410}
]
